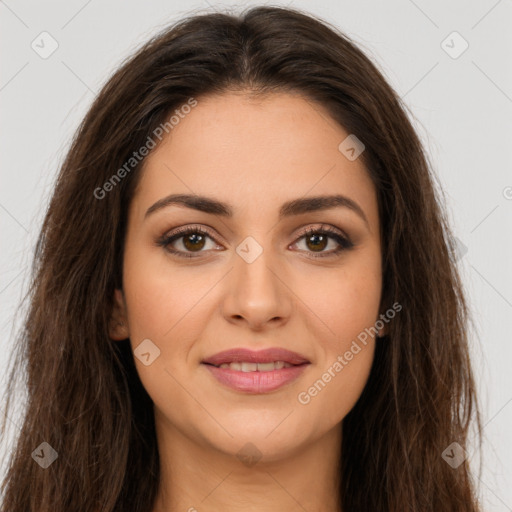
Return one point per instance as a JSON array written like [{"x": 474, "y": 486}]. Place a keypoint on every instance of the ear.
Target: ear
[
  {"x": 118, "y": 324},
  {"x": 385, "y": 329}
]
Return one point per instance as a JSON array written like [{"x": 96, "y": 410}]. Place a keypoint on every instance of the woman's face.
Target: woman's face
[{"x": 263, "y": 276}]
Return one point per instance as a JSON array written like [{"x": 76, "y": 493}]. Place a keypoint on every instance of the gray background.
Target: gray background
[{"x": 462, "y": 108}]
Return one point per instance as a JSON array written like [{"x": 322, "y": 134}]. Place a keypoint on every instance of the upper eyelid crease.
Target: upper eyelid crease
[{"x": 288, "y": 209}]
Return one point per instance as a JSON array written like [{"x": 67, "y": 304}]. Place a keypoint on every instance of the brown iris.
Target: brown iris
[
  {"x": 319, "y": 242},
  {"x": 193, "y": 241}
]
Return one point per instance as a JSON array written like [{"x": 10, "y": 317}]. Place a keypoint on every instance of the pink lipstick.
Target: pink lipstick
[{"x": 256, "y": 371}]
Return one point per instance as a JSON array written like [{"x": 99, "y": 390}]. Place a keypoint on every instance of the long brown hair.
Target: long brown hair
[{"x": 84, "y": 395}]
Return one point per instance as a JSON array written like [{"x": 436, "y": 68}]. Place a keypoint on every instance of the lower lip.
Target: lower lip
[{"x": 256, "y": 382}]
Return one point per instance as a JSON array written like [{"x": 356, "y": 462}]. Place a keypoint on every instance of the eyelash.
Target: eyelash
[{"x": 344, "y": 242}]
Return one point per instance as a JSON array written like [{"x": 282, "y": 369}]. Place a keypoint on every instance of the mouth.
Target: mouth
[
  {"x": 246, "y": 366},
  {"x": 256, "y": 372},
  {"x": 279, "y": 357}
]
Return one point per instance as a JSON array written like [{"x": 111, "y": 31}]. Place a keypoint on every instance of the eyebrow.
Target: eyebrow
[{"x": 288, "y": 209}]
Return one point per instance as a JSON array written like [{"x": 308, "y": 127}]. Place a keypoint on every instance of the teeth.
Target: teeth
[
  {"x": 268, "y": 367},
  {"x": 249, "y": 367},
  {"x": 253, "y": 367}
]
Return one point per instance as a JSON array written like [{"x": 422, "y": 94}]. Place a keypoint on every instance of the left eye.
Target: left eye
[
  {"x": 193, "y": 240},
  {"x": 318, "y": 239}
]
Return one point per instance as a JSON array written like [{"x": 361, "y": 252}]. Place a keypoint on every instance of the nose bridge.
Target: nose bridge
[{"x": 257, "y": 293}]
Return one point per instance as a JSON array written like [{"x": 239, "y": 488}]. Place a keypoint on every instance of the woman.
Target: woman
[{"x": 244, "y": 293}]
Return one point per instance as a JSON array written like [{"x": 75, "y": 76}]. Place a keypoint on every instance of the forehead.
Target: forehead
[{"x": 247, "y": 151}]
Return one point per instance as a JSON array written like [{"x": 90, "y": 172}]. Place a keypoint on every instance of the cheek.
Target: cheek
[
  {"x": 343, "y": 303},
  {"x": 344, "y": 311},
  {"x": 164, "y": 301},
  {"x": 336, "y": 387},
  {"x": 166, "y": 305},
  {"x": 171, "y": 310}
]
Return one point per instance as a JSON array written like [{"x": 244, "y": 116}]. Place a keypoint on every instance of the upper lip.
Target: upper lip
[{"x": 269, "y": 355}]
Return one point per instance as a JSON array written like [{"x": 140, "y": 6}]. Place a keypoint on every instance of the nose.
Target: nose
[{"x": 257, "y": 293}]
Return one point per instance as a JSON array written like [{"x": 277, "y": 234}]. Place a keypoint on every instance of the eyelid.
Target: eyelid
[{"x": 322, "y": 227}]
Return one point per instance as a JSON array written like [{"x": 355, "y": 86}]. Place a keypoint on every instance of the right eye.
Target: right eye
[{"x": 191, "y": 238}]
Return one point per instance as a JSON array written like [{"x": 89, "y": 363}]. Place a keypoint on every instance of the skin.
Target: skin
[{"x": 254, "y": 155}]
